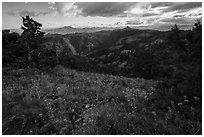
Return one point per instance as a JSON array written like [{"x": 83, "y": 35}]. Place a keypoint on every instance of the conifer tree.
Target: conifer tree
[{"x": 32, "y": 37}]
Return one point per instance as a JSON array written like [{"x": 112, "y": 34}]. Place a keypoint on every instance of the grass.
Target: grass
[{"x": 65, "y": 101}]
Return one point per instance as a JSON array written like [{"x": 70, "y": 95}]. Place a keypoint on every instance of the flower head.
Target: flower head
[{"x": 196, "y": 98}]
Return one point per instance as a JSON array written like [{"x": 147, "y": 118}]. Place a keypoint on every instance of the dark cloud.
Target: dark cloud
[
  {"x": 104, "y": 9},
  {"x": 176, "y": 6},
  {"x": 184, "y": 6},
  {"x": 182, "y": 21},
  {"x": 108, "y": 9},
  {"x": 178, "y": 16},
  {"x": 195, "y": 14}
]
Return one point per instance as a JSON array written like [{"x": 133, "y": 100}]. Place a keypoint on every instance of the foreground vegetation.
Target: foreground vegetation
[{"x": 66, "y": 101}]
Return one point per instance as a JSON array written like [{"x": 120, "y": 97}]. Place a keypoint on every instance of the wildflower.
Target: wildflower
[
  {"x": 87, "y": 106},
  {"x": 186, "y": 100},
  {"x": 180, "y": 104},
  {"x": 196, "y": 98},
  {"x": 154, "y": 113}
]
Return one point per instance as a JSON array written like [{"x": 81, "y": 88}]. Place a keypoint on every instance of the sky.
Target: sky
[{"x": 147, "y": 15}]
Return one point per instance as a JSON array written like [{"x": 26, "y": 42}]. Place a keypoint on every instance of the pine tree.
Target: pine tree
[{"x": 32, "y": 37}]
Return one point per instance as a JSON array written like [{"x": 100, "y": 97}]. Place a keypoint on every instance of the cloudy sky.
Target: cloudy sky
[{"x": 151, "y": 15}]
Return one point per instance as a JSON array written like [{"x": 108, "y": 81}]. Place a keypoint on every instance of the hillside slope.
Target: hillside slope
[
  {"x": 77, "y": 93},
  {"x": 58, "y": 44},
  {"x": 66, "y": 101}
]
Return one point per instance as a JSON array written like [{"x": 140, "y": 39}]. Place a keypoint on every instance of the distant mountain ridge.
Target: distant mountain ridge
[{"x": 70, "y": 30}]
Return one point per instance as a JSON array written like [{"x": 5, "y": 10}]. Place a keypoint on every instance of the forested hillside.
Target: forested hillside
[{"x": 123, "y": 81}]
